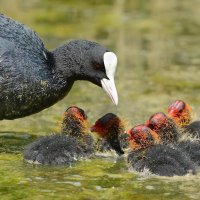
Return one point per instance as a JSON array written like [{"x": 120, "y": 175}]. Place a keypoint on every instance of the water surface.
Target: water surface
[{"x": 157, "y": 43}]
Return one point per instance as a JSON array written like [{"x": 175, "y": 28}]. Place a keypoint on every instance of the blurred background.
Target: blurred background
[{"x": 157, "y": 44}]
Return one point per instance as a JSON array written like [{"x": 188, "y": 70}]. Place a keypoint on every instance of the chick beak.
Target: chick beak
[
  {"x": 93, "y": 129},
  {"x": 128, "y": 132}
]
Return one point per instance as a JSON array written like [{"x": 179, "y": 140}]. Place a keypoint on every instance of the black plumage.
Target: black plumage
[
  {"x": 161, "y": 160},
  {"x": 107, "y": 144},
  {"x": 193, "y": 129},
  {"x": 33, "y": 78},
  {"x": 192, "y": 148},
  {"x": 57, "y": 149},
  {"x": 109, "y": 128},
  {"x": 71, "y": 145}
]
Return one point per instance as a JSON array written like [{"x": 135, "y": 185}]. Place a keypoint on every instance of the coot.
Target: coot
[
  {"x": 33, "y": 78},
  {"x": 160, "y": 159},
  {"x": 181, "y": 113},
  {"x": 164, "y": 126},
  {"x": 108, "y": 128},
  {"x": 74, "y": 143}
]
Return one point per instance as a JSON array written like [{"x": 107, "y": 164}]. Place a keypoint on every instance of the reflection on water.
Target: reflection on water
[
  {"x": 157, "y": 44},
  {"x": 14, "y": 142}
]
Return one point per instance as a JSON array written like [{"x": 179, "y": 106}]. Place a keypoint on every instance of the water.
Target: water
[{"x": 157, "y": 43}]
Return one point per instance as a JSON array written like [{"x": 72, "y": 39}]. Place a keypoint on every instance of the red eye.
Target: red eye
[{"x": 97, "y": 65}]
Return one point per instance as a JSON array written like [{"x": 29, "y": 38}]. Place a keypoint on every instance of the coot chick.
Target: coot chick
[
  {"x": 66, "y": 148},
  {"x": 108, "y": 128},
  {"x": 164, "y": 126},
  {"x": 141, "y": 136},
  {"x": 33, "y": 78},
  {"x": 181, "y": 113},
  {"x": 148, "y": 155}
]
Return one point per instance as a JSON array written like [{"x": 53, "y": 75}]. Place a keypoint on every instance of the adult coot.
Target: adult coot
[
  {"x": 148, "y": 155},
  {"x": 33, "y": 78},
  {"x": 74, "y": 143}
]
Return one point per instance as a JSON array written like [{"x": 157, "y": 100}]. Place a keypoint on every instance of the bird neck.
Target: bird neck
[
  {"x": 73, "y": 126},
  {"x": 63, "y": 64},
  {"x": 113, "y": 139},
  {"x": 169, "y": 132}
]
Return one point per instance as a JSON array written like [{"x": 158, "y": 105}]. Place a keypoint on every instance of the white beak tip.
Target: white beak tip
[
  {"x": 115, "y": 101},
  {"x": 110, "y": 89},
  {"x": 110, "y": 63}
]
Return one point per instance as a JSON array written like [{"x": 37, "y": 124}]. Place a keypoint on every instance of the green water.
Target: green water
[{"x": 157, "y": 43}]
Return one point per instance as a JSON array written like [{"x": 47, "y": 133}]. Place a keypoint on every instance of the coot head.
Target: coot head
[
  {"x": 74, "y": 122},
  {"x": 86, "y": 60},
  {"x": 156, "y": 121},
  {"x": 180, "y": 112},
  {"x": 109, "y": 127},
  {"x": 76, "y": 112},
  {"x": 105, "y": 124},
  {"x": 164, "y": 126},
  {"x": 141, "y": 137}
]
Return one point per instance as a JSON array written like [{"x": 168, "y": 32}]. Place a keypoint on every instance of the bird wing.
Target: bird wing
[
  {"x": 23, "y": 57},
  {"x": 23, "y": 37},
  {"x": 24, "y": 69}
]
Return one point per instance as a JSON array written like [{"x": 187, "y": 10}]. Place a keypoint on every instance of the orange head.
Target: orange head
[
  {"x": 109, "y": 127},
  {"x": 164, "y": 126},
  {"x": 156, "y": 121},
  {"x": 74, "y": 122},
  {"x": 76, "y": 112},
  {"x": 141, "y": 137},
  {"x": 108, "y": 124},
  {"x": 180, "y": 112}
]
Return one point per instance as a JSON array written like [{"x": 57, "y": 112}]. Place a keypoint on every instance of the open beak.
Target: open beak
[{"x": 110, "y": 63}]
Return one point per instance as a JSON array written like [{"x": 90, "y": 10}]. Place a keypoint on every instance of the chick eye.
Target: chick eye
[{"x": 151, "y": 125}]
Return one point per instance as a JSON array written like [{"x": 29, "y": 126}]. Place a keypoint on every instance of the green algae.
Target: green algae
[{"x": 157, "y": 44}]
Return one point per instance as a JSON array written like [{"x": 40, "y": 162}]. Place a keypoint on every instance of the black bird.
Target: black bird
[
  {"x": 73, "y": 144},
  {"x": 164, "y": 126},
  {"x": 160, "y": 159},
  {"x": 33, "y": 78},
  {"x": 169, "y": 133},
  {"x": 192, "y": 148},
  {"x": 109, "y": 128},
  {"x": 181, "y": 113}
]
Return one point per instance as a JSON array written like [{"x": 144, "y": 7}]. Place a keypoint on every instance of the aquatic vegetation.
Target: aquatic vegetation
[{"x": 158, "y": 47}]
